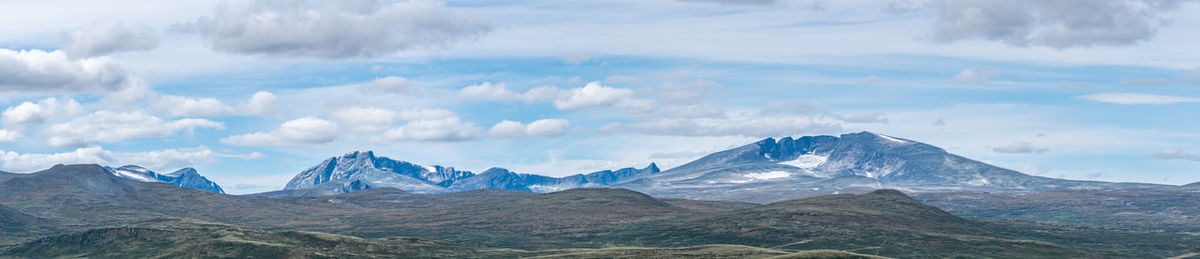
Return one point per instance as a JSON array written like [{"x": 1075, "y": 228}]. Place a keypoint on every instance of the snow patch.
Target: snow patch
[
  {"x": 806, "y": 161},
  {"x": 751, "y": 177},
  {"x": 429, "y": 168},
  {"x": 979, "y": 181},
  {"x": 890, "y": 138},
  {"x": 134, "y": 176}
]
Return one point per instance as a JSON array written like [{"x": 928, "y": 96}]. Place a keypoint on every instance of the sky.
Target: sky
[{"x": 252, "y": 92}]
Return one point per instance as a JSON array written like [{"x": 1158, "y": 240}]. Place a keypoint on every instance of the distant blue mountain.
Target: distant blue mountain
[
  {"x": 363, "y": 170},
  {"x": 186, "y": 177}
]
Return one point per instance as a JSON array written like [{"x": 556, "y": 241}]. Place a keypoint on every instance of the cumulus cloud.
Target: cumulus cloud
[
  {"x": 161, "y": 160},
  {"x": 1133, "y": 98},
  {"x": 333, "y": 29},
  {"x": 1175, "y": 154},
  {"x": 41, "y": 71},
  {"x": 595, "y": 95},
  {"x": 690, "y": 92},
  {"x": 1056, "y": 24},
  {"x": 9, "y": 135},
  {"x": 435, "y": 130},
  {"x": 113, "y": 127},
  {"x": 261, "y": 103},
  {"x": 488, "y": 91},
  {"x": 538, "y": 128},
  {"x": 1019, "y": 147},
  {"x": 109, "y": 37},
  {"x": 970, "y": 76},
  {"x": 302, "y": 131},
  {"x": 41, "y": 111},
  {"x": 178, "y": 106}
]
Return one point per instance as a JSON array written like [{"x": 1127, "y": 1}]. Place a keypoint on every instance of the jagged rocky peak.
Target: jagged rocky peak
[{"x": 377, "y": 172}]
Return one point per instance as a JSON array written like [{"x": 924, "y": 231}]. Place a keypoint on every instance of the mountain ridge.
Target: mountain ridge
[{"x": 361, "y": 170}]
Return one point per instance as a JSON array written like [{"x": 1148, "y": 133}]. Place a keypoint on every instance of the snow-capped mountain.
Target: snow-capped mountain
[
  {"x": 186, "y": 177},
  {"x": 363, "y": 170},
  {"x": 770, "y": 170}
]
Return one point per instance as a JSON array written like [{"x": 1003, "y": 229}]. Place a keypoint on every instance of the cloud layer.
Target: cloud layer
[{"x": 333, "y": 29}]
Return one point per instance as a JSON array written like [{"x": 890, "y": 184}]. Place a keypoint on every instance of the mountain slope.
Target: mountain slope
[
  {"x": 773, "y": 170},
  {"x": 186, "y": 177}
]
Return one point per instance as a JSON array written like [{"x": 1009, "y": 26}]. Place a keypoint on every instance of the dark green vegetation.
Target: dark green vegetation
[
  {"x": 1158, "y": 209},
  {"x": 73, "y": 206}
]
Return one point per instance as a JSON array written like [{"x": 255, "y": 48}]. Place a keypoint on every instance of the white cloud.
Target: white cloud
[
  {"x": 1133, "y": 98},
  {"x": 178, "y": 106},
  {"x": 113, "y": 127},
  {"x": 392, "y": 84},
  {"x": 690, "y": 92},
  {"x": 40, "y": 71},
  {"x": 437, "y": 130},
  {"x": 539, "y": 128},
  {"x": 1056, "y": 24},
  {"x": 489, "y": 92},
  {"x": 1191, "y": 77},
  {"x": 17, "y": 162},
  {"x": 424, "y": 114},
  {"x": 159, "y": 160},
  {"x": 41, "y": 111},
  {"x": 109, "y": 37},
  {"x": 334, "y": 29},
  {"x": 1169, "y": 154},
  {"x": 594, "y": 95},
  {"x": 9, "y": 135},
  {"x": 1018, "y": 147},
  {"x": 261, "y": 103},
  {"x": 302, "y": 131},
  {"x": 368, "y": 119},
  {"x": 361, "y": 119},
  {"x": 970, "y": 76}
]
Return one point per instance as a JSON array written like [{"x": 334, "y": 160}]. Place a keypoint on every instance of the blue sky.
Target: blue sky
[{"x": 252, "y": 92}]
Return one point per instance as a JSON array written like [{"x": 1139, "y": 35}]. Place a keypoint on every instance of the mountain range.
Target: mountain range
[
  {"x": 362, "y": 170},
  {"x": 764, "y": 171}
]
